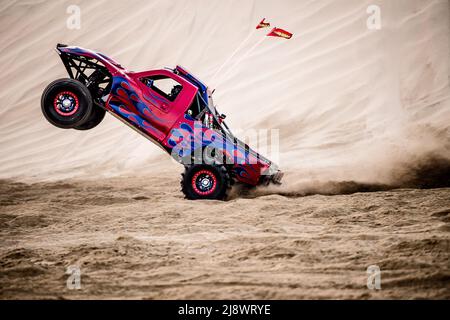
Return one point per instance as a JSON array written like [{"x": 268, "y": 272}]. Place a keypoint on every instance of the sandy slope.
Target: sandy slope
[
  {"x": 147, "y": 242},
  {"x": 352, "y": 102},
  {"x": 367, "y": 110}
]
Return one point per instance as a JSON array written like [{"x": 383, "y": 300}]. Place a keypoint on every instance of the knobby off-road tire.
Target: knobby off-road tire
[{"x": 205, "y": 182}]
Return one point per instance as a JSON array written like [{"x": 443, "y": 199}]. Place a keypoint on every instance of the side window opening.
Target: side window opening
[{"x": 165, "y": 86}]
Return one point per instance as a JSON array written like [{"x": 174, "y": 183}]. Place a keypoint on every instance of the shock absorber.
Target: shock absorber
[{"x": 208, "y": 120}]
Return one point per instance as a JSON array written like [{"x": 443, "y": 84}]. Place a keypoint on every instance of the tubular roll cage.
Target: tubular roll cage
[{"x": 91, "y": 72}]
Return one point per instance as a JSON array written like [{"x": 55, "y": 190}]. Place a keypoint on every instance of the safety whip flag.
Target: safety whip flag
[
  {"x": 278, "y": 32},
  {"x": 263, "y": 24}
]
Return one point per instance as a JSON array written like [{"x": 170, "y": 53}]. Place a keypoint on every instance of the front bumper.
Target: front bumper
[
  {"x": 276, "y": 178},
  {"x": 272, "y": 175}
]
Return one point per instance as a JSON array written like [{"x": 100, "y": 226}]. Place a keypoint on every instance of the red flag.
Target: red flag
[
  {"x": 263, "y": 24},
  {"x": 277, "y": 32}
]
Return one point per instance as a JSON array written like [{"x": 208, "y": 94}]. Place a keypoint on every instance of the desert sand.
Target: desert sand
[
  {"x": 364, "y": 139},
  {"x": 133, "y": 239}
]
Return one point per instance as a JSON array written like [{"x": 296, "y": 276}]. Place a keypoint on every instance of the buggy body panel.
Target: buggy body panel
[{"x": 163, "y": 117}]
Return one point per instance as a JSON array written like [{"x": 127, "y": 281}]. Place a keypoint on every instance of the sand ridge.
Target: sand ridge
[{"x": 349, "y": 103}]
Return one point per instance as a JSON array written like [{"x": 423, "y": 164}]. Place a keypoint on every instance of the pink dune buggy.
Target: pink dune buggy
[{"x": 170, "y": 107}]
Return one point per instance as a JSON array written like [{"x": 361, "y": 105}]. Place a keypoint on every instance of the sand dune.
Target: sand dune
[
  {"x": 344, "y": 98},
  {"x": 356, "y": 110}
]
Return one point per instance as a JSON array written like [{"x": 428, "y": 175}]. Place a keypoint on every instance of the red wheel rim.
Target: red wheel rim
[
  {"x": 66, "y": 103},
  {"x": 204, "y": 182}
]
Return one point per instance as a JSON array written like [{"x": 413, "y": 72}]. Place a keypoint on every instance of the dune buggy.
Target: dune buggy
[{"x": 170, "y": 107}]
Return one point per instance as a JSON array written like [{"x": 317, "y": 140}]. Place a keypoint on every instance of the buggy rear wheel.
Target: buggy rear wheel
[
  {"x": 66, "y": 103},
  {"x": 205, "y": 182},
  {"x": 94, "y": 120}
]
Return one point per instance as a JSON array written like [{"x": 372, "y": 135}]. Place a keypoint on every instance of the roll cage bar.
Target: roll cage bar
[{"x": 90, "y": 71}]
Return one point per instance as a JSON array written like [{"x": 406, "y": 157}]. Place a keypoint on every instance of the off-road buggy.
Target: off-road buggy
[{"x": 170, "y": 107}]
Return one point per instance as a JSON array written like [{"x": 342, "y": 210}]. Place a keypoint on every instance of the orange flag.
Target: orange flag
[{"x": 278, "y": 32}]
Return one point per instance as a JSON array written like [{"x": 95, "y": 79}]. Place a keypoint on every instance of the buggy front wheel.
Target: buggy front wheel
[{"x": 205, "y": 182}]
